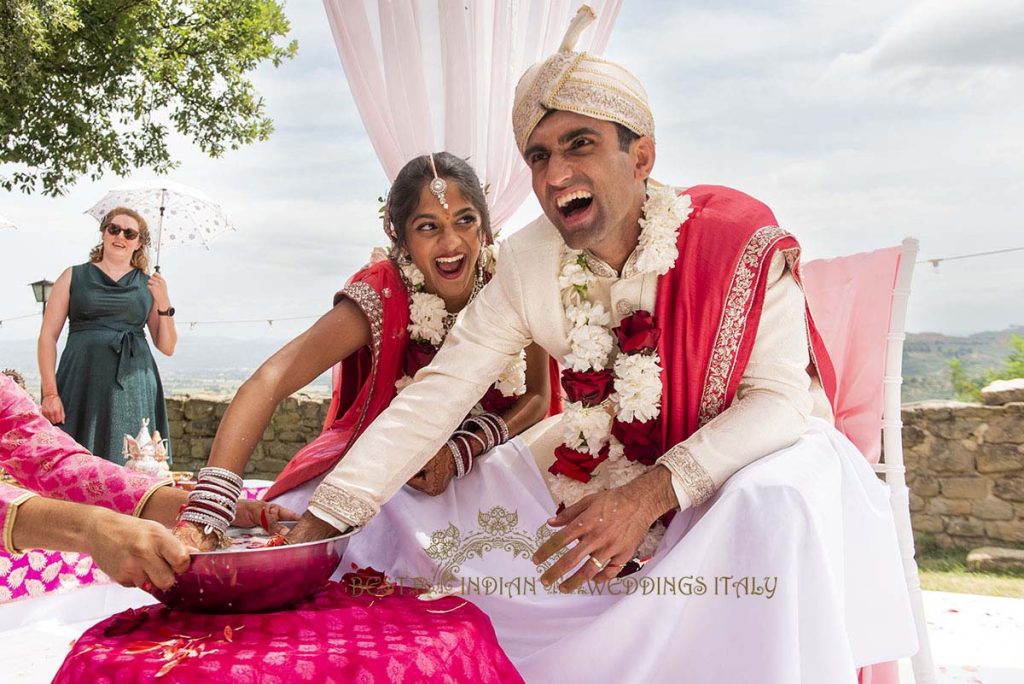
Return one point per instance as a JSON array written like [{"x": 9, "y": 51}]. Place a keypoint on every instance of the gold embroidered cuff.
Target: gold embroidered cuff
[
  {"x": 342, "y": 505},
  {"x": 12, "y": 513},
  {"x": 691, "y": 474},
  {"x": 149, "y": 492}
]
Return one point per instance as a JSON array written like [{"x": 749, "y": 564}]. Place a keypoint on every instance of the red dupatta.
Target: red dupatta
[
  {"x": 363, "y": 383},
  {"x": 709, "y": 305}
]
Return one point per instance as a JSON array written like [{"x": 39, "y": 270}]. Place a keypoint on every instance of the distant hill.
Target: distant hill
[
  {"x": 926, "y": 359},
  {"x": 221, "y": 364},
  {"x": 216, "y": 365}
]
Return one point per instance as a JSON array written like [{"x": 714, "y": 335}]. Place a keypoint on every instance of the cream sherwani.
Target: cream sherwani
[
  {"x": 784, "y": 506},
  {"x": 521, "y": 305}
]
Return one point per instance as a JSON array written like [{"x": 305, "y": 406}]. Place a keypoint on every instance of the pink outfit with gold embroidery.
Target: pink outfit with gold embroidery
[{"x": 45, "y": 460}]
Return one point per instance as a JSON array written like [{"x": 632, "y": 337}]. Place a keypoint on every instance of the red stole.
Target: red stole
[
  {"x": 708, "y": 307},
  {"x": 363, "y": 383}
]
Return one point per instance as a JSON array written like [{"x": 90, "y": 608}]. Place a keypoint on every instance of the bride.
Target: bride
[{"x": 386, "y": 324}]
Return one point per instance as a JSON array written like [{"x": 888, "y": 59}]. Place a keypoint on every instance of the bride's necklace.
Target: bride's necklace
[{"x": 430, "y": 321}]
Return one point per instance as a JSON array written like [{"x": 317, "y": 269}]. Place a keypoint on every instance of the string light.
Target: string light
[
  {"x": 935, "y": 262},
  {"x": 17, "y": 318}
]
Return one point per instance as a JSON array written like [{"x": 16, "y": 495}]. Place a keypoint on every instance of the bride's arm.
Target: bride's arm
[
  {"x": 533, "y": 405},
  {"x": 528, "y": 409},
  {"x": 340, "y": 332}
]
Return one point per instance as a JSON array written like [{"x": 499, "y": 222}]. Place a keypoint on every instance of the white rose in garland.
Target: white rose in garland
[
  {"x": 586, "y": 429},
  {"x": 591, "y": 345},
  {"x": 512, "y": 382},
  {"x": 426, "y": 317},
  {"x": 638, "y": 387}
]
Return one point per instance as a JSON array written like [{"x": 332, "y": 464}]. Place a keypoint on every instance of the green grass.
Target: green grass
[{"x": 946, "y": 570}]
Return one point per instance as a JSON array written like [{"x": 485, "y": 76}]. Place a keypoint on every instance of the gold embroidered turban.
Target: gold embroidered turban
[{"x": 576, "y": 82}]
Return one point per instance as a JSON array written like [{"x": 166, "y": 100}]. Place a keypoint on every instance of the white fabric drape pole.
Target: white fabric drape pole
[{"x": 485, "y": 47}]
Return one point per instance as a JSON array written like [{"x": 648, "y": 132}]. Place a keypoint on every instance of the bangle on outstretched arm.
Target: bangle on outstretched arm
[
  {"x": 460, "y": 467},
  {"x": 213, "y": 502},
  {"x": 472, "y": 435},
  {"x": 492, "y": 425}
]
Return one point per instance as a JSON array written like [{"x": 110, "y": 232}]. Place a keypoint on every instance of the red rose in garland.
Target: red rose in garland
[
  {"x": 641, "y": 441},
  {"x": 576, "y": 464},
  {"x": 589, "y": 387},
  {"x": 638, "y": 333}
]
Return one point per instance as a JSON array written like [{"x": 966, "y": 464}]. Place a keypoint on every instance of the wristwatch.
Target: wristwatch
[{"x": 169, "y": 312}]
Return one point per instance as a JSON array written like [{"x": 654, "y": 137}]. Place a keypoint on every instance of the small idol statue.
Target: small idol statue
[{"x": 146, "y": 454}]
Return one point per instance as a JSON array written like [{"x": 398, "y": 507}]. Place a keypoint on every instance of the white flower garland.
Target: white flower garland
[
  {"x": 427, "y": 314},
  {"x": 637, "y": 382}
]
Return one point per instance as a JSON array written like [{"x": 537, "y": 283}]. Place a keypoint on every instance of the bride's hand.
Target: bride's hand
[
  {"x": 436, "y": 475},
  {"x": 191, "y": 535}
]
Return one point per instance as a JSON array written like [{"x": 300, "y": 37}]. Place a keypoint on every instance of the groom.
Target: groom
[{"x": 677, "y": 316}]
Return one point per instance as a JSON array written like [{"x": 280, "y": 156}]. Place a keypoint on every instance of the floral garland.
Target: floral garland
[
  {"x": 613, "y": 377},
  {"x": 430, "y": 321}
]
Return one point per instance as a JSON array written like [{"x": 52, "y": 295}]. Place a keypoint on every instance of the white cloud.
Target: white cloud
[{"x": 959, "y": 35}]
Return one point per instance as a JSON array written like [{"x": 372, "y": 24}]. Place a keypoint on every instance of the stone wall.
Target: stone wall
[
  {"x": 965, "y": 468},
  {"x": 965, "y": 462},
  {"x": 194, "y": 420}
]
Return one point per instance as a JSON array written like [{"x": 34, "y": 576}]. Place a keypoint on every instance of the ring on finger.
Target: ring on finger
[{"x": 600, "y": 566}]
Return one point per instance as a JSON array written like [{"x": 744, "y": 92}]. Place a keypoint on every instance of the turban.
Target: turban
[{"x": 577, "y": 82}]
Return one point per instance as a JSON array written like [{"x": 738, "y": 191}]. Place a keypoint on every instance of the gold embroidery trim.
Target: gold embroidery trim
[
  {"x": 149, "y": 492},
  {"x": 12, "y": 513},
  {"x": 692, "y": 475},
  {"x": 343, "y": 504},
  {"x": 733, "y": 323},
  {"x": 367, "y": 299}
]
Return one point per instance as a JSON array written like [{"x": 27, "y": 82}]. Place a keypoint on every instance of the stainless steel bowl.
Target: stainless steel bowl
[{"x": 253, "y": 580}]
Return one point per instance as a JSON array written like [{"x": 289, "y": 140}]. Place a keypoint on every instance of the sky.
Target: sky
[{"x": 858, "y": 123}]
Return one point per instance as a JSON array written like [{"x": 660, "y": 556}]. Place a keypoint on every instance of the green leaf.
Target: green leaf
[{"x": 95, "y": 86}]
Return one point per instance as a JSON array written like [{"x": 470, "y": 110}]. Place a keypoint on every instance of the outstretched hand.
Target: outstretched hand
[
  {"x": 436, "y": 475},
  {"x": 249, "y": 513}
]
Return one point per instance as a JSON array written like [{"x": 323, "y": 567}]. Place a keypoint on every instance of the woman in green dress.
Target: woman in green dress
[{"x": 107, "y": 382}]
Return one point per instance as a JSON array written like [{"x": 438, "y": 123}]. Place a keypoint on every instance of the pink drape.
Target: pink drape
[
  {"x": 850, "y": 300},
  {"x": 485, "y": 47}
]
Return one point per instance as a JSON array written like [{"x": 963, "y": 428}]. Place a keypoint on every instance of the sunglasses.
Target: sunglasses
[{"x": 129, "y": 234}]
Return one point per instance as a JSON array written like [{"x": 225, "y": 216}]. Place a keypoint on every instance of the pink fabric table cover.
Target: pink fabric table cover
[
  {"x": 331, "y": 637},
  {"x": 37, "y": 572}
]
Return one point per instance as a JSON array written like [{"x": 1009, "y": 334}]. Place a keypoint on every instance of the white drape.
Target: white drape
[{"x": 485, "y": 46}]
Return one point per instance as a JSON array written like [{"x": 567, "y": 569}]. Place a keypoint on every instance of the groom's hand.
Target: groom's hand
[
  {"x": 607, "y": 527},
  {"x": 310, "y": 528}
]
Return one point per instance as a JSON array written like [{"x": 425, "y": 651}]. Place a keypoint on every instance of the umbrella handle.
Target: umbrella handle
[{"x": 160, "y": 228}]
